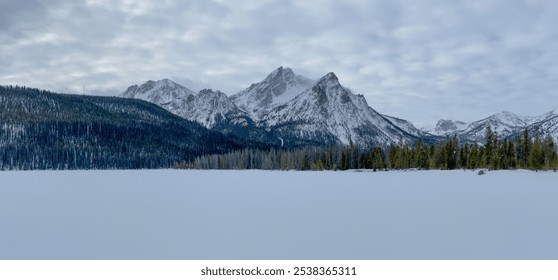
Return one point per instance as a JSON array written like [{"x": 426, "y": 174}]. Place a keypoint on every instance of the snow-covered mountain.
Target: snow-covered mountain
[
  {"x": 544, "y": 125},
  {"x": 407, "y": 126},
  {"x": 210, "y": 107},
  {"x": 506, "y": 124},
  {"x": 331, "y": 113},
  {"x": 279, "y": 87},
  {"x": 162, "y": 92},
  {"x": 448, "y": 127},
  {"x": 289, "y": 109},
  {"x": 207, "y": 107},
  {"x": 284, "y": 108}
]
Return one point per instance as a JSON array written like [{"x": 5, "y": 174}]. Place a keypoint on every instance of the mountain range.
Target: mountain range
[
  {"x": 159, "y": 123},
  {"x": 292, "y": 110},
  {"x": 505, "y": 124},
  {"x": 286, "y": 109}
]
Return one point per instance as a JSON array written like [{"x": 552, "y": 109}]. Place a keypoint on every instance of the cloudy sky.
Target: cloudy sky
[{"x": 421, "y": 60}]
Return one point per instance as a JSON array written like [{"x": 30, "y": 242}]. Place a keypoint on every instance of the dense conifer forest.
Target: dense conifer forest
[
  {"x": 44, "y": 130},
  {"x": 522, "y": 152}
]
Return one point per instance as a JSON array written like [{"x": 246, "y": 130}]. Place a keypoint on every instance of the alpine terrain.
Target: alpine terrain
[
  {"x": 505, "y": 124},
  {"x": 285, "y": 109},
  {"x": 330, "y": 113},
  {"x": 207, "y": 107}
]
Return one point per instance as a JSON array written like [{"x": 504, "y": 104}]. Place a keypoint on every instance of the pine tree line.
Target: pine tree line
[
  {"x": 522, "y": 152},
  {"x": 43, "y": 130},
  {"x": 85, "y": 145}
]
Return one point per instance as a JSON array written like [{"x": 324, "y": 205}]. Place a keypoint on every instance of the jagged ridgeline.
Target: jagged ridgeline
[
  {"x": 285, "y": 110},
  {"x": 44, "y": 130}
]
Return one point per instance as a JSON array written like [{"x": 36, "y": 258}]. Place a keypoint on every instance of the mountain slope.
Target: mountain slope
[
  {"x": 162, "y": 92},
  {"x": 284, "y": 109},
  {"x": 409, "y": 128},
  {"x": 504, "y": 123},
  {"x": 331, "y": 114},
  {"x": 545, "y": 125},
  {"x": 278, "y": 87},
  {"x": 448, "y": 127},
  {"x": 207, "y": 107},
  {"x": 212, "y": 109},
  {"x": 81, "y": 132}
]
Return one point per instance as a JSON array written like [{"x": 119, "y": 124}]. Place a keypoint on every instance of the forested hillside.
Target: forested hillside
[{"x": 44, "y": 130}]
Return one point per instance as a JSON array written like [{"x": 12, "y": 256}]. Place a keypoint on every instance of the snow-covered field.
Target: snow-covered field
[{"x": 184, "y": 214}]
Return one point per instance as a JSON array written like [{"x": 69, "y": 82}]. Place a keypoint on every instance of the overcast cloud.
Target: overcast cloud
[{"x": 420, "y": 60}]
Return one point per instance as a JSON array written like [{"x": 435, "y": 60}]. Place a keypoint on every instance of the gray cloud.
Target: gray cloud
[{"x": 420, "y": 60}]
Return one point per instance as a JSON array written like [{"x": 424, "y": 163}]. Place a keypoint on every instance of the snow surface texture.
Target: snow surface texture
[{"x": 184, "y": 214}]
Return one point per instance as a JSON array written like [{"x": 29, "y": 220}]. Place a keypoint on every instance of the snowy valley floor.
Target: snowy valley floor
[{"x": 187, "y": 214}]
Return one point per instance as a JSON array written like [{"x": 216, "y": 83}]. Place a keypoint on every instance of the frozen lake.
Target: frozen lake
[{"x": 185, "y": 214}]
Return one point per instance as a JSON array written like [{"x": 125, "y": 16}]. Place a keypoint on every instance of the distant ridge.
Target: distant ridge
[{"x": 506, "y": 124}]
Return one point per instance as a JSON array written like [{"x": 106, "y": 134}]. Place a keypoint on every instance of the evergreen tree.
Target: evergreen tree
[
  {"x": 376, "y": 160},
  {"x": 463, "y": 156},
  {"x": 536, "y": 155},
  {"x": 393, "y": 157},
  {"x": 549, "y": 153},
  {"x": 525, "y": 150},
  {"x": 344, "y": 162}
]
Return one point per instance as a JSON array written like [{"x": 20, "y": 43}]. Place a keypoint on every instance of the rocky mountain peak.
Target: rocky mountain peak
[
  {"x": 158, "y": 92},
  {"x": 330, "y": 77},
  {"x": 507, "y": 117},
  {"x": 284, "y": 73},
  {"x": 278, "y": 87},
  {"x": 329, "y": 80},
  {"x": 207, "y": 107},
  {"x": 290, "y": 109},
  {"x": 208, "y": 91},
  {"x": 333, "y": 114},
  {"x": 330, "y": 86},
  {"x": 446, "y": 125}
]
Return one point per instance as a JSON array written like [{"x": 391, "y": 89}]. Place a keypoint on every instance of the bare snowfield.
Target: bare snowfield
[{"x": 187, "y": 214}]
